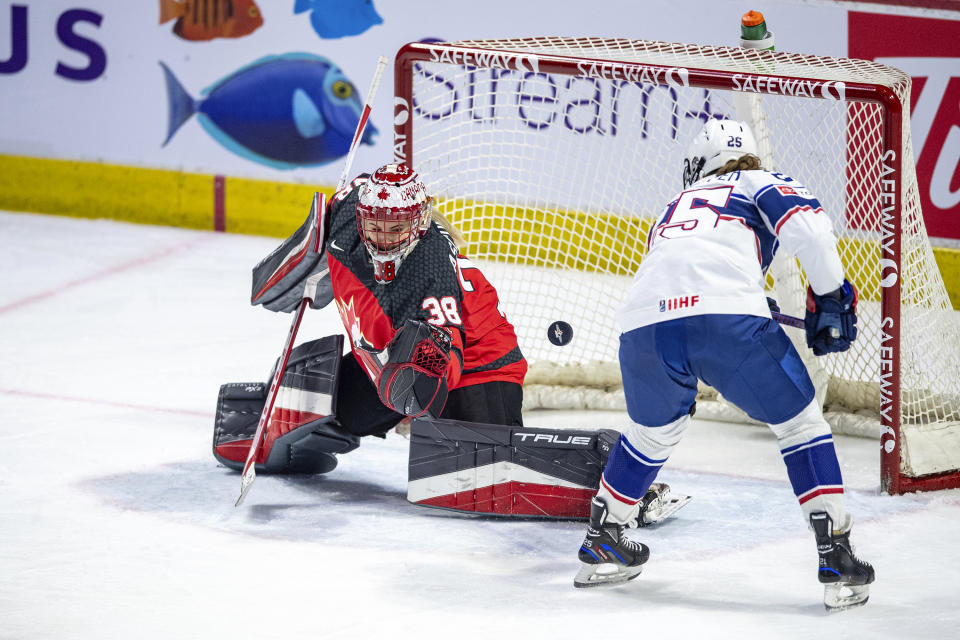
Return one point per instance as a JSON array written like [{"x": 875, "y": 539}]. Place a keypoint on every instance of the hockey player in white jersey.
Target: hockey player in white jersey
[{"x": 697, "y": 310}]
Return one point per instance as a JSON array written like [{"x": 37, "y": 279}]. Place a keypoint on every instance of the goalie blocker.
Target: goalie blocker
[{"x": 517, "y": 471}]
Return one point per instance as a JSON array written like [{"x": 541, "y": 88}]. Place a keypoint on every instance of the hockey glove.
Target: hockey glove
[
  {"x": 296, "y": 269},
  {"x": 831, "y": 319},
  {"x": 414, "y": 379}
]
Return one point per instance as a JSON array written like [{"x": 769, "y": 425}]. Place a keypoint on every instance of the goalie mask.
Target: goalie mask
[
  {"x": 393, "y": 213},
  {"x": 718, "y": 142}
]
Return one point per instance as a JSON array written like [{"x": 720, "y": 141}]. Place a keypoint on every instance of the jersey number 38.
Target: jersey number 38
[{"x": 443, "y": 311}]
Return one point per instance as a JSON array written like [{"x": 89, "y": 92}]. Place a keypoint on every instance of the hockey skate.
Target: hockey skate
[
  {"x": 607, "y": 557},
  {"x": 845, "y": 577},
  {"x": 659, "y": 504}
]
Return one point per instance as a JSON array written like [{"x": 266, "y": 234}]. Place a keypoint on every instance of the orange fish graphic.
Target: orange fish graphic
[{"x": 209, "y": 19}]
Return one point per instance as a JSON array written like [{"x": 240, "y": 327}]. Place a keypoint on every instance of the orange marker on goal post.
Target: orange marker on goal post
[{"x": 753, "y": 31}]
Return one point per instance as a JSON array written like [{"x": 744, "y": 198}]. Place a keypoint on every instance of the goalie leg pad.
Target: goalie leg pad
[
  {"x": 309, "y": 448},
  {"x": 507, "y": 471},
  {"x": 239, "y": 406},
  {"x": 302, "y": 435}
]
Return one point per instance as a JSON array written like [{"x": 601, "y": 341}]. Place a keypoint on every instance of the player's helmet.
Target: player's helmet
[
  {"x": 393, "y": 213},
  {"x": 718, "y": 142}
]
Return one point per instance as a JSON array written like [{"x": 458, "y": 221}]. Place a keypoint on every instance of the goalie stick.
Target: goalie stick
[{"x": 249, "y": 467}]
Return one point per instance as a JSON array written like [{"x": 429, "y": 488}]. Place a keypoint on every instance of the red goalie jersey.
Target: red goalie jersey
[{"x": 435, "y": 284}]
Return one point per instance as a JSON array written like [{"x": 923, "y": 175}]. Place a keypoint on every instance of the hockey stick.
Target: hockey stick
[
  {"x": 790, "y": 321},
  {"x": 249, "y": 467}
]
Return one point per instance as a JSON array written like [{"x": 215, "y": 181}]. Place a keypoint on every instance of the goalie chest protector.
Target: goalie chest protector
[{"x": 508, "y": 471}]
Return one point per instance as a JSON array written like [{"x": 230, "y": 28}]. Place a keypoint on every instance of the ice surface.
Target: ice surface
[{"x": 116, "y": 522}]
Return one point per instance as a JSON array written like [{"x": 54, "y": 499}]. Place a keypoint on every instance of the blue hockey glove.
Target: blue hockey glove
[{"x": 831, "y": 319}]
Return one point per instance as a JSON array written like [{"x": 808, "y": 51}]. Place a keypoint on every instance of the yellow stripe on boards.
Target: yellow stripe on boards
[
  {"x": 151, "y": 196},
  {"x": 95, "y": 190},
  {"x": 949, "y": 262},
  {"x": 263, "y": 208}
]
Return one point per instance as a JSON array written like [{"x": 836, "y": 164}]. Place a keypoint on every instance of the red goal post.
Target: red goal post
[{"x": 513, "y": 137}]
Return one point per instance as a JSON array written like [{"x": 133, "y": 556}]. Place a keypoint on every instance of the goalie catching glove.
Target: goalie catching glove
[
  {"x": 831, "y": 319},
  {"x": 414, "y": 379}
]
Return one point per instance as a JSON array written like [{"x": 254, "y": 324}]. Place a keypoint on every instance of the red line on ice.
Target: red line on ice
[
  {"x": 123, "y": 405},
  {"x": 120, "y": 268}
]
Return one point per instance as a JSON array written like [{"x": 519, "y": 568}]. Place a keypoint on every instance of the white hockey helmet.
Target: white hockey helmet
[
  {"x": 393, "y": 213},
  {"x": 718, "y": 142}
]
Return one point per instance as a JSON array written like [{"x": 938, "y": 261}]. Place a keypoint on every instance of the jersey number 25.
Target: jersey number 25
[{"x": 694, "y": 212}]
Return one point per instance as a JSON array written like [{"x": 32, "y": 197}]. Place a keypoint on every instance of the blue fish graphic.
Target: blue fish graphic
[
  {"x": 283, "y": 111},
  {"x": 338, "y": 18}
]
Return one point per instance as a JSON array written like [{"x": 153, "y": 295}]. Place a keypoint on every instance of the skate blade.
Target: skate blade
[
  {"x": 664, "y": 507},
  {"x": 606, "y": 574},
  {"x": 838, "y": 597}
]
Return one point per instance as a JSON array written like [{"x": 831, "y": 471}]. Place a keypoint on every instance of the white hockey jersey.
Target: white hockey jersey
[{"x": 710, "y": 249}]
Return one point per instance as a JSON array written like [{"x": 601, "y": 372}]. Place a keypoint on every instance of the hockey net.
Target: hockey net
[{"x": 554, "y": 155}]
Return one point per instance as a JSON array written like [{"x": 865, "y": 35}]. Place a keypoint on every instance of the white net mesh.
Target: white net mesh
[{"x": 554, "y": 180}]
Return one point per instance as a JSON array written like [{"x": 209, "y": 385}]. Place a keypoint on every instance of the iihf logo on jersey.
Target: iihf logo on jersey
[{"x": 680, "y": 302}]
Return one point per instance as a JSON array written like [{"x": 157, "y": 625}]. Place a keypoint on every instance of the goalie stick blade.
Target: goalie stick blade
[
  {"x": 606, "y": 574},
  {"x": 246, "y": 481},
  {"x": 839, "y": 597}
]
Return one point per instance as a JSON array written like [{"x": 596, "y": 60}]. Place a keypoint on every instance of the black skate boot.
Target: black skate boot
[
  {"x": 845, "y": 577},
  {"x": 607, "y": 556}
]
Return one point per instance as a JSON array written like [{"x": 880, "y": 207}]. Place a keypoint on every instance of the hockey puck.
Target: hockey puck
[{"x": 560, "y": 333}]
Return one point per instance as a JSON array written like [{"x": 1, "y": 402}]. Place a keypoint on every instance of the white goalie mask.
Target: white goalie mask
[
  {"x": 393, "y": 213},
  {"x": 718, "y": 142}
]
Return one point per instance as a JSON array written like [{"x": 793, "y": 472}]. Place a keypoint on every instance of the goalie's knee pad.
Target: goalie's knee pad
[
  {"x": 311, "y": 449},
  {"x": 302, "y": 435}
]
